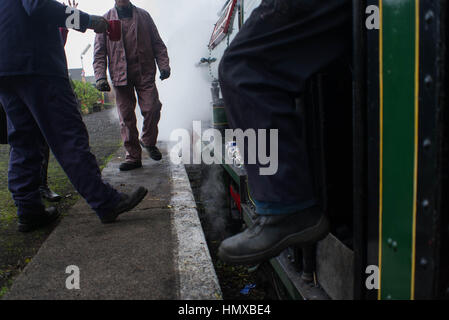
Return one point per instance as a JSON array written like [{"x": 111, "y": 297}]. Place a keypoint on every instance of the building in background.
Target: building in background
[{"x": 77, "y": 74}]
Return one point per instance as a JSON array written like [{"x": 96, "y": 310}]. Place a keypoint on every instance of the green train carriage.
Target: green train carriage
[{"x": 377, "y": 126}]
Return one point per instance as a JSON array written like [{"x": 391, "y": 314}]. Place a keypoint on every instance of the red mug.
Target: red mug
[{"x": 115, "y": 30}]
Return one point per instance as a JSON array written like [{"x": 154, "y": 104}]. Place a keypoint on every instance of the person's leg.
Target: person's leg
[
  {"x": 126, "y": 104},
  {"x": 25, "y": 163},
  {"x": 262, "y": 72},
  {"x": 45, "y": 190},
  {"x": 25, "y": 155},
  {"x": 150, "y": 107},
  {"x": 52, "y": 103},
  {"x": 36, "y": 105}
]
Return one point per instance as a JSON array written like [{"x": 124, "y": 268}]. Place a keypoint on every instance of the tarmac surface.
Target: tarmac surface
[{"x": 156, "y": 251}]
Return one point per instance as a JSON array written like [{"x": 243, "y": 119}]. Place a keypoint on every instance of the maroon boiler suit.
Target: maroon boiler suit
[{"x": 132, "y": 67}]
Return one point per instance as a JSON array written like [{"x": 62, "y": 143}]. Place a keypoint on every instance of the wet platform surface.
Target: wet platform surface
[{"x": 156, "y": 251}]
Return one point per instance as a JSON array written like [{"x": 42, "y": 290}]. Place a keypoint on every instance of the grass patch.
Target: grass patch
[
  {"x": 106, "y": 161},
  {"x": 3, "y": 291},
  {"x": 8, "y": 211},
  {"x": 7, "y": 208}
]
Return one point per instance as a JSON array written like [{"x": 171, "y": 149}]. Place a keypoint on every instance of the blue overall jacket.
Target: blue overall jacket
[{"x": 30, "y": 42}]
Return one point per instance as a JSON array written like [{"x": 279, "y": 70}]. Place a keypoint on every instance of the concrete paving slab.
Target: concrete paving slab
[{"x": 156, "y": 251}]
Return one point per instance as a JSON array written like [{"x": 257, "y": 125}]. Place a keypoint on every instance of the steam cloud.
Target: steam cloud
[{"x": 185, "y": 27}]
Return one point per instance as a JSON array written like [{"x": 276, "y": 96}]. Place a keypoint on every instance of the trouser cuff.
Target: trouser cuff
[{"x": 278, "y": 208}]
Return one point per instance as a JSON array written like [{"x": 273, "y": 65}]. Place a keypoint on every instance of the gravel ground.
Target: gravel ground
[{"x": 17, "y": 249}]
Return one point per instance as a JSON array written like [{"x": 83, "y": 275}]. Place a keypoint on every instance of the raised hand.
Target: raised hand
[{"x": 74, "y": 4}]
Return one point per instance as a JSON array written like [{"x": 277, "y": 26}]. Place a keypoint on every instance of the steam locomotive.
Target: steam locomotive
[{"x": 377, "y": 126}]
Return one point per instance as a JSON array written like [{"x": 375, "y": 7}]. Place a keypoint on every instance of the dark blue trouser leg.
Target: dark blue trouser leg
[
  {"x": 281, "y": 45},
  {"x": 37, "y": 104},
  {"x": 24, "y": 174}
]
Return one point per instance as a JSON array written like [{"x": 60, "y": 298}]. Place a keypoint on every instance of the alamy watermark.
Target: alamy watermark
[
  {"x": 73, "y": 281},
  {"x": 207, "y": 147},
  {"x": 73, "y": 21},
  {"x": 373, "y": 17},
  {"x": 372, "y": 280}
]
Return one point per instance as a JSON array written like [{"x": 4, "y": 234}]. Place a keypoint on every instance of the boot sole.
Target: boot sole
[
  {"x": 308, "y": 236},
  {"x": 133, "y": 204},
  {"x": 143, "y": 193}
]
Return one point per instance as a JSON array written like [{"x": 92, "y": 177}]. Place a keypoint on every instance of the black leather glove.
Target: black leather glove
[
  {"x": 103, "y": 85},
  {"x": 98, "y": 24},
  {"x": 165, "y": 74}
]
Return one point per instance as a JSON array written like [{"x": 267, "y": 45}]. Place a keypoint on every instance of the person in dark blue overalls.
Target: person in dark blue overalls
[
  {"x": 40, "y": 106},
  {"x": 44, "y": 189},
  {"x": 278, "y": 49}
]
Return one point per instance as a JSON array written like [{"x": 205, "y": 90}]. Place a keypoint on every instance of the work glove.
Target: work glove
[
  {"x": 98, "y": 24},
  {"x": 165, "y": 74},
  {"x": 103, "y": 85}
]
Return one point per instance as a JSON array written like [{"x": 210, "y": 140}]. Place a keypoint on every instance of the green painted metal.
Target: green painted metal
[
  {"x": 397, "y": 148},
  {"x": 219, "y": 115},
  {"x": 291, "y": 289},
  {"x": 232, "y": 173}
]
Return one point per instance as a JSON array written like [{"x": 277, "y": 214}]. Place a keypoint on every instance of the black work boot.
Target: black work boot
[
  {"x": 270, "y": 235},
  {"x": 127, "y": 203},
  {"x": 48, "y": 194},
  {"x": 153, "y": 151},
  {"x": 33, "y": 222},
  {"x": 127, "y": 166}
]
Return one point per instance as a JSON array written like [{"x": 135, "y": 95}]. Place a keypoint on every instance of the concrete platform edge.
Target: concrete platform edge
[{"x": 197, "y": 277}]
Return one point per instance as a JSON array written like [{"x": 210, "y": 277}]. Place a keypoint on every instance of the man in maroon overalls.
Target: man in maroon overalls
[{"x": 132, "y": 66}]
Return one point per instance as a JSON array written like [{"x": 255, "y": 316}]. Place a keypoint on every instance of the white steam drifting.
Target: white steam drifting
[{"x": 185, "y": 27}]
